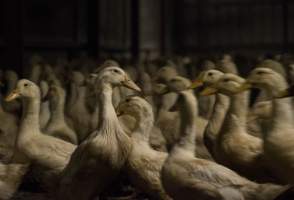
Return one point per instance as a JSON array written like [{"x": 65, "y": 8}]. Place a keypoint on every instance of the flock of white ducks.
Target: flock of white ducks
[{"x": 108, "y": 132}]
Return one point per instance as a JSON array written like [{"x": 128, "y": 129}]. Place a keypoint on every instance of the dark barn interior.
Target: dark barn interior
[{"x": 146, "y": 99}]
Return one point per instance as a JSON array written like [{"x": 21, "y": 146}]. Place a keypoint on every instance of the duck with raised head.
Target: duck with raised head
[
  {"x": 235, "y": 148},
  {"x": 144, "y": 163},
  {"x": 57, "y": 125},
  {"x": 44, "y": 151},
  {"x": 278, "y": 139},
  {"x": 98, "y": 160},
  {"x": 185, "y": 176},
  {"x": 220, "y": 107}
]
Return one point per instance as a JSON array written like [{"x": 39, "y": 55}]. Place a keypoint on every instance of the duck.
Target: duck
[
  {"x": 278, "y": 140},
  {"x": 201, "y": 150},
  {"x": 76, "y": 108},
  {"x": 206, "y": 103},
  {"x": 184, "y": 176},
  {"x": 258, "y": 118},
  {"x": 144, "y": 164},
  {"x": 98, "y": 160},
  {"x": 235, "y": 148},
  {"x": 57, "y": 125},
  {"x": 43, "y": 151},
  {"x": 219, "y": 110}
]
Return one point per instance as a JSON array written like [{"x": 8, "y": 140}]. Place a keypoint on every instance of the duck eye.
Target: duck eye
[
  {"x": 210, "y": 74},
  {"x": 260, "y": 73},
  {"x": 26, "y": 84},
  {"x": 116, "y": 71}
]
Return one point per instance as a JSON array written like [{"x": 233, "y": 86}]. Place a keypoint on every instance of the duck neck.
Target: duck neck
[
  {"x": 144, "y": 125},
  {"x": 72, "y": 97},
  {"x": 30, "y": 116},
  {"x": 236, "y": 115},
  {"x": 81, "y": 95},
  {"x": 57, "y": 110},
  {"x": 282, "y": 108},
  {"x": 187, "y": 129},
  {"x": 218, "y": 115},
  {"x": 107, "y": 114}
]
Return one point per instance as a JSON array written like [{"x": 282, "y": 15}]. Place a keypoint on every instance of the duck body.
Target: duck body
[
  {"x": 44, "y": 151},
  {"x": 99, "y": 159},
  {"x": 278, "y": 139},
  {"x": 187, "y": 177},
  {"x": 144, "y": 164}
]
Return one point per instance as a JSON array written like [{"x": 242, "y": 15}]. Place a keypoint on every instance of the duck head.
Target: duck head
[
  {"x": 228, "y": 84},
  {"x": 265, "y": 79},
  {"x": 115, "y": 76},
  {"x": 134, "y": 106},
  {"x": 207, "y": 78},
  {"x": 24, "y": 89}
]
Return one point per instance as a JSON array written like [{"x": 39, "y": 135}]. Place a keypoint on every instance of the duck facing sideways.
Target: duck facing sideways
[
  {"x": 235, "y": 148},
  {"x": 98, "y": 160},
  {"x": 185, "y": 176},
  {"x": 144, "y": 163},
  {"x": 219, "y": 110},
  {"x": 279, "y": 138},
  {"x": 47, "y": 152}
]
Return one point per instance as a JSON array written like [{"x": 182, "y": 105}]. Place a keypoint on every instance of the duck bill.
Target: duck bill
[
  {"x": 196, "y": 84},
  {"x": 128, "y": 83},
  {"x": 244, "y": 87},
  {"x": 13, "y": 95},
  {"x": 208, "y": 91}
]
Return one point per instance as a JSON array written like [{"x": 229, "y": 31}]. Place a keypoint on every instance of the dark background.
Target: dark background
[{"x": 128, "y": 28}]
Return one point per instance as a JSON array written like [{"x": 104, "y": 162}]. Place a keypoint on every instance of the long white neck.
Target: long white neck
[
  {"x": 144, "y": 125},
  {"x": 107, "y": 112},
  {"x": 236, "y": 114},
  {"x": 282, "y": 116},
  {"x": 218, "y": 115},
  {"x": 188, "y": 113},
  {"x": 30, "y": 117}
]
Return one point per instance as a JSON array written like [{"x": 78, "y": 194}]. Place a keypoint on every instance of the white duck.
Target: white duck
[
  {"x": 98, "y": 160},
  {"x": 235, "y": 148},
  {"x": 172, "y": 122},
  {"x": 144, "y": 163},
  {"x": 220, "y": 107},
  {"x": 44, "y": 151},
  {"x": 279, "y": 138},
  {"x": 57, "y": 125},
  {"x": 185, "y": 176}
]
